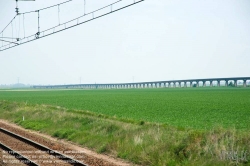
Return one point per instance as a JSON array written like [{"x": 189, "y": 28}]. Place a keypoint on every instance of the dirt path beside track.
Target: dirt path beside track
[{"x": 85, "y": 155}]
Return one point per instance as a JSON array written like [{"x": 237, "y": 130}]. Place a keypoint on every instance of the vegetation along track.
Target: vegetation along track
[{"x": 32, "y": 153}]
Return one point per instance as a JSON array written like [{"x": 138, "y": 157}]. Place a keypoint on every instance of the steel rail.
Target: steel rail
[
  {"x": 18, "y": 156},
  {"x": 44, "y": 148}
]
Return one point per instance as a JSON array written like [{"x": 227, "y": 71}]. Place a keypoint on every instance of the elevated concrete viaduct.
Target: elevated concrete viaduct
[{"x": 156, "y": 84}]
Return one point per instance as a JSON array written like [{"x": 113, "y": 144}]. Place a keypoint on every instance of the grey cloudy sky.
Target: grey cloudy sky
[{"x": 151, "y": 41}]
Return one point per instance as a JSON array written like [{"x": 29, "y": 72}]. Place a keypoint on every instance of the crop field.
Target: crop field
[
  {"x": 151, "y": 127},
  {"x": 198, "y": 108}
]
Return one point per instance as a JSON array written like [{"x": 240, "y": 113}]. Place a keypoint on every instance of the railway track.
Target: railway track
[{"x": 32, "y": 153}]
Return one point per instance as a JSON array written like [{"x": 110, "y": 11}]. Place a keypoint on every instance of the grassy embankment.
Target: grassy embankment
[{"x": 137, "y": 135}]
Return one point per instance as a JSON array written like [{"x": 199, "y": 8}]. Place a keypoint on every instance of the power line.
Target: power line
[
  {"x": 23, "y": 27},
  {"x": 73, "y": 22},
  {"x": 8, "y": 41}
]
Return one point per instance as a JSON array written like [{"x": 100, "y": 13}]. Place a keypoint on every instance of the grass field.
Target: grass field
[
  {"x": 193, "y": 126},
  {"x": 199, "y": 108}
]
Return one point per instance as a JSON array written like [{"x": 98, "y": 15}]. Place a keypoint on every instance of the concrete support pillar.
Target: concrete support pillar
[
  {"x": 235, "y": 83},
  {"x": 191, "y": 83},
  {"x": 174, "y": 84},
  {"x": 244, "y": 83},
  {"x": 185, "y": 84},
  {"x": 226, "y": 83},
  {"x": 197, "y": 83},
  {"x": 218, "y": 83},
  {"x": 211, "y": 83},
  {"x": 179, "y": 84},
  {"x": 204, "y": 83}
]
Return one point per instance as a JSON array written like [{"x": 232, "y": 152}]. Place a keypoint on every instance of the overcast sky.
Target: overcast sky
[{"x": 154, "y": 40}]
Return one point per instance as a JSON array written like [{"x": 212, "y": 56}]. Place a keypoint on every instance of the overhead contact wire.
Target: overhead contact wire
[
  {"x": 58, "y": 14},
  {"x": 8, "y": 24},
  {"x": 12, "y": 30},
  {"x": 19, "y": 27},
  {"x": 7, "y": 41},
  {"x": 23, "y": 27},
  {"x": 84, "y": 7},
  {"x": 29, "y": 40}
]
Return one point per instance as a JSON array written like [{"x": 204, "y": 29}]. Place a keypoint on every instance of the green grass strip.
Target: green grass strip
[{"x": 140, "y": 142}]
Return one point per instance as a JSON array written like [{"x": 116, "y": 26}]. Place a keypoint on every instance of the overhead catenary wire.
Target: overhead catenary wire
[
  {"x": 8, "y": 41},
  {"x": 58, "y": 14},
  {"x": 7, "y": 38},
  {"x": 19, "y": 27},
  {"x": 12, "y": 30},
  {"x": 31, "y": 12},
  {"x": 72, "y": 23},
  {"x": 84, "y": 6},
  {"x": 2, "y": 41},
  {"x": 8, "y": 25},
  {"x": 46, "y": 7},
  {"x": 15, "y": 28},
  {"x": 23, "y": 27}
]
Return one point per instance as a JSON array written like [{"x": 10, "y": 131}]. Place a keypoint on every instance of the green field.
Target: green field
[
  {"x": 151, "y": 127},
  {"x": 192, "y": 107}
]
